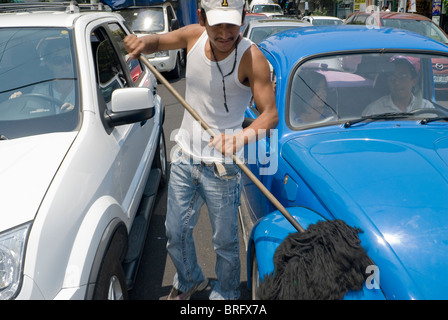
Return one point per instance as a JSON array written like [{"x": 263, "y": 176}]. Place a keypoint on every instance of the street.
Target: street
[{"x": 155, "y": 275}]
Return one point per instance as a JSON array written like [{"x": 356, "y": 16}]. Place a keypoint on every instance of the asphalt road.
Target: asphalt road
[{"x": 156, "y": 272}]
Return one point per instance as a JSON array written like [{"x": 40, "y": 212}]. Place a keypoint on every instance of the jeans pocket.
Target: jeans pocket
[{"x": 231, "y": 171}]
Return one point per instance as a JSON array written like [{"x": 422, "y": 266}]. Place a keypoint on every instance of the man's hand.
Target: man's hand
[
  {"x": 134, "y": 46},
  {"x": 228, "y": 144},
  {"x": 67, "y": 107}
]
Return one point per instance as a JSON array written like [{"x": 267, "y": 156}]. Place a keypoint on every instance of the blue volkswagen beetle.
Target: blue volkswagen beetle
[{"x": 362, "y": 137}]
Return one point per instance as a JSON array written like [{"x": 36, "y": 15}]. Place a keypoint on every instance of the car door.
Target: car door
[{"x": 115, "y": 70}]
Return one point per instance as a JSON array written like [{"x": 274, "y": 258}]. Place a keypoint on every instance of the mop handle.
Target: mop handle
[{"x": 238, "y": 162}]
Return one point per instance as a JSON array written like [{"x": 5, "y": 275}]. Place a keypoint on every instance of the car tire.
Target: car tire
[
  {"x": 160, "y": 159},
  {"x": 111, "y": 282},
  {"x": 255, "y": 277},
  {"x": 175, "y": 73}
]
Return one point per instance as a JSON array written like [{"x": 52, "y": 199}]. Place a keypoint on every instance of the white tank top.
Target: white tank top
[{"x": 204, "y": 93}]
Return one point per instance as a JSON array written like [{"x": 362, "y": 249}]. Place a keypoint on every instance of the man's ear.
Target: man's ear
[{"x": 202, "y": 17}]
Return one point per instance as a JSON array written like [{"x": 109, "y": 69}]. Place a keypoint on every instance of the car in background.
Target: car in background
[
  {"x": 157, "y": 19},
  {"x": 407, "y": 21},
  {"x": 412, "y": 22},
  {"x": 252, "y": 16},
  {"x": 385, "y": 173},
  {"x": 258, "y": 30},
  {"x": 82, "y": 153},
  {"x": 266, "y": 8},
  {"x": 322, "y": 20}
]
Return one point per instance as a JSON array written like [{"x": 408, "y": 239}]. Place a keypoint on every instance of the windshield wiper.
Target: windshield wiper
[
  {"x": 382, "y": 116},
  {"x": 428, "y": 120}
]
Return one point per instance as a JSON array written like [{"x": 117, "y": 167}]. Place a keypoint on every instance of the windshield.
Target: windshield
[
  {"x": 144, "y": 20},
  {"x": 322, "y": 22},
  {"x": 258, "y": 34},
  {"x": 267, "y": 8},
  {"x": 346, "y": 87},
  {"x": 38, "y": 90},
  {"x": 426, "y": 28}
]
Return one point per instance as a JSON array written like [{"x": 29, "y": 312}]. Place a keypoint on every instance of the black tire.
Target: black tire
[
  {"x": 254, "y": 277},
  {"x": 111, "y": 282},
  {"x": 175, "y": 73},
  {"x": 160, "y": 159}
]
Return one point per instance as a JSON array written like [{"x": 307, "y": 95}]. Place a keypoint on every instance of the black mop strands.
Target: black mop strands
[{"x": 322, "y": 263}]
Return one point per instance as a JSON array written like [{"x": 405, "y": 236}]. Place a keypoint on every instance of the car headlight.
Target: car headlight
[
  {"x": 160, "y": 54},
  {"x": 12, "y": 252}
]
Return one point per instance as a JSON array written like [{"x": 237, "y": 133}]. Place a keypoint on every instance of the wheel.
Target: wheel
[
  {"x": 175, "y": 73},
  {"x": 255, "y": 280},
  {"x": 111, "y": 282},
  {"x": 160, "y": 160}
]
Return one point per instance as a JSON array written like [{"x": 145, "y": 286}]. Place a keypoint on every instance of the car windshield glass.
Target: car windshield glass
[
  {"x": 38, "y": 91},
  {"x": 258, "y": 34},
  {"x": 144, "y": 20},
  {"x": 267, "y": 8},
  {"x": 426, "y": 28},
  {"x": 321, "y": 22},
  {"x": 369, "y": 87}
]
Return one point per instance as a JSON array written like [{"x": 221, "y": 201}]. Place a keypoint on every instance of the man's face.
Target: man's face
[
  {"x": 222, "y": 36},
  {"x": 402, "y": 82}
]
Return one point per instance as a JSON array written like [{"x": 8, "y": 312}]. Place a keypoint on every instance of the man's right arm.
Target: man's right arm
[{"x": 184, "y": 37}]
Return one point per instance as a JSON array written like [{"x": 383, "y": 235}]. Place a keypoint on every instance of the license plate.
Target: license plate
[{"x": 440, "y": 79}]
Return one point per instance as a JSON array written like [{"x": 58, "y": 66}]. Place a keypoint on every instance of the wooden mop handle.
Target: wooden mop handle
[{"x": 238, "y": 162}]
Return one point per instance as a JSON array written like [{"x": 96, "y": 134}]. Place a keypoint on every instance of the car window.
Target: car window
[
  {"x": 258, "y": 34},
  {"x": 110, "y": 75},
  {"x": 135, "y": 67},
  {"x": 344, "y": 87},
  {"x": 39, "y": 86},
  {"x": 426, "y": 28},
  {"x": 360, "y": 19},
  {"x": 147, "y": 20}
]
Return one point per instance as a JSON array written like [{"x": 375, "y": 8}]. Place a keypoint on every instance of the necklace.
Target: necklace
[{"x": 220, "y": 71}]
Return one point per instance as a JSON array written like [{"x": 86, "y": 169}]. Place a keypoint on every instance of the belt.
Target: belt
[{"x": 219, "y": 166}]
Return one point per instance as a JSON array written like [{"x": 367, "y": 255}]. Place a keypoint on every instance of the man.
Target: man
[
  {"x": 223, "y": 71},
  {"x": 401, "y": 85}
]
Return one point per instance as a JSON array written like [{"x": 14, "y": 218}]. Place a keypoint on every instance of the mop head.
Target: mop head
[{"x": 322, "y": 263}]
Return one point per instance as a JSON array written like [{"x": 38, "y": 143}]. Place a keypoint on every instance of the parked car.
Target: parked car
[
  {"x": 82, "y": 153},
  {"x": 158, "y": 19},
  {"x": 252, "y": 16},
  {"x": 322, "y": 20},
  {"x": 385, "y": 173},
  {"x": 267, "y": 8},
  {"x": 407, "y": 21},
  {"x": 412, "y": 22},
  {"x": 258, "y": 30}
]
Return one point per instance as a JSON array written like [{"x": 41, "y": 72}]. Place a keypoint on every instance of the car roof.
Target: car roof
[
  {"x": 315, "y": 40},
  {"x": 24, "y": 15},
  {"x": 396, "y": 15}
]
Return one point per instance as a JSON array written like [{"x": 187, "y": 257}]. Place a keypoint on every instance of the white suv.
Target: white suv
[
  {"x": 82, "y": 153},
  {"x": 158, "y": 19}
]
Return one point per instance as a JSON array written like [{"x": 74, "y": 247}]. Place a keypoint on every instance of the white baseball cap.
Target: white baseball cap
[{"x": 223, "y": 11}]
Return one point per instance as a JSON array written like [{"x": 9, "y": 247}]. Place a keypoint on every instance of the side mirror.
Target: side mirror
[{"x": 130, "y": 105}]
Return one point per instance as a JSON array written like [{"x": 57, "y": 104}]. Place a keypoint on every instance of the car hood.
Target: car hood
[
  {"x": 392, "y": 182},
  {"x": 27, "y": 167}
]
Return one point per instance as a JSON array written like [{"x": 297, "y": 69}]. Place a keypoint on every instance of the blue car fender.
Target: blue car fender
[{"x": 270, "y": 231}]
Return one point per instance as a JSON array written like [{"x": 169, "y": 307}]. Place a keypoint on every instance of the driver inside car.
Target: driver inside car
[
  {"x": 401, "y": 85},
  {"x": 55, "y": 57}
]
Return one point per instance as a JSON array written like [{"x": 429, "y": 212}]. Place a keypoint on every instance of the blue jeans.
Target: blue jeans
[{"x": 190, "y": 186}]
